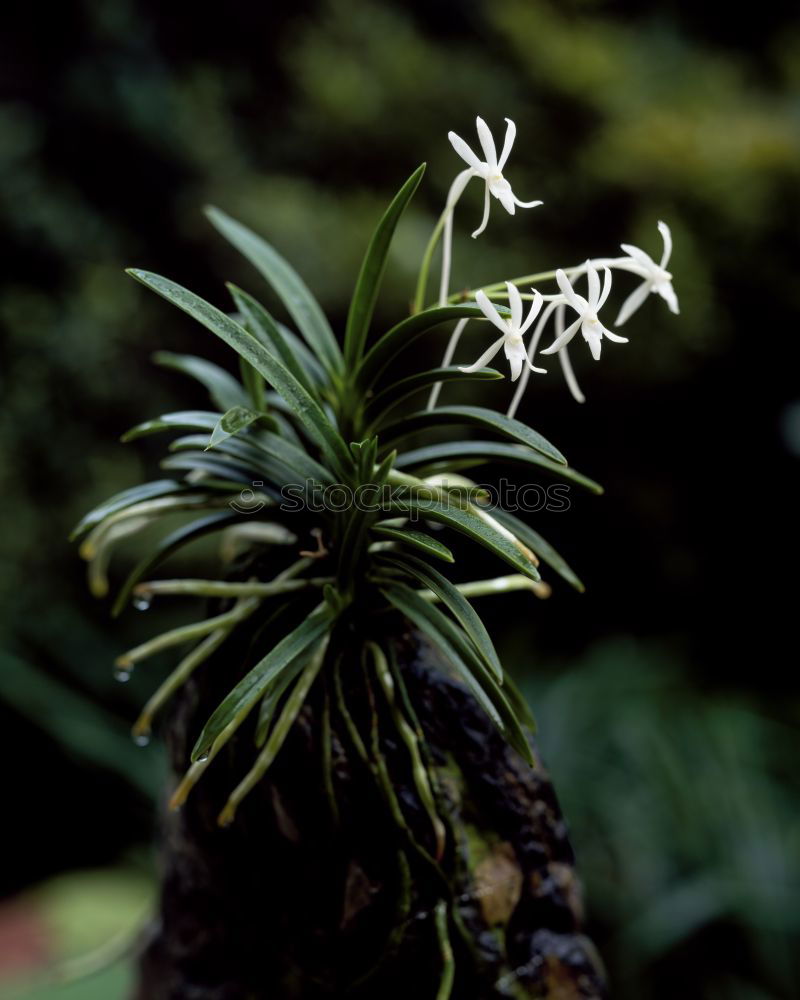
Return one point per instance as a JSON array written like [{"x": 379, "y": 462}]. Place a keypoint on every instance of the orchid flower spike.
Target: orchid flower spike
[
  {"x": 490, "y": 169},
  {"x": 656, "y": 278},
  {"x": 512, "y": 329},
  {"x": 587, "y": 309}
]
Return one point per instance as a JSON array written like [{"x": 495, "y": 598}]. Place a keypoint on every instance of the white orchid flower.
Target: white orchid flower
[
  {"x": 656, "y": 277},
  {"x": 512, "y": 328},
  {"x": 587, "y": 309},
  {"x": 490, "y": 169}
]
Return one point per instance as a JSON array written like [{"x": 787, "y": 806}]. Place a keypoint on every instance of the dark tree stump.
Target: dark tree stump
[{"x": 299, "y": 898}]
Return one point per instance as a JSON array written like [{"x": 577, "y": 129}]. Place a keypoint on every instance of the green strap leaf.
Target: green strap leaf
[
  {"x": 218, "y": 466},
  {"x": 127, "y": 498},
  {"x": 454, "y": 600},
  {"x": 252, "y": 686},
  {"x": 451, "y": 456},
  {"x": 417, "y": 540},
  {"x": 458, "y": 651},
  {"x": 287, "y": 283},
  {"x": 230, "y": 423},
  {"x": 362, "y": 304},
  {"x": 174, "y": 541},
  {"x": 306, "y": 409},
  {"x": 398, "y": 391},
  {"x": 473, "y": 416},
  {"x": 540, "y": 546},
  {"x": 263, "y": 327},
  {"x": 225, "y": 391},
  {"x": 471, "y": 525},
  {"x": 190, "y": 420},
  {"x": 407, "y": 331}
]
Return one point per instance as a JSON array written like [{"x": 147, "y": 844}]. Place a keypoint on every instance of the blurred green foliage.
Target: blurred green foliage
[
  {"x": 122, "y": 119},
  {"x": 684, "y": 814}
]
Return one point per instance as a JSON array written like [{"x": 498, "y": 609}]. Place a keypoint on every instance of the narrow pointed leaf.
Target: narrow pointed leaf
[
  {"x": 264, "y": 328},
  {"x": 473, "y": 416},
  {"x": 407, "y": 331},
  {"x": 230, "y": 423},
  {"x": 174, "y": 541},
  {"x": 287, "y": 283},
  {"x": 472, "y": 526},
  {"x": 540, "y": 546},
  {"x": 127, "y": 498},
  {"x": 398, "y": 391},
  {"x": 417, "y": 540},
  {"x": 225, "y": 391},
  {"x": 431, "y": 622},
  {"x": 305, "y": 408},
  {"x": 253, "y": 685},
  {"x": 456, "y": 603},
  {"x": 362, "y": 304},
  {"x": 455, "y": 455},
  {"x": 190, "y": 420}
]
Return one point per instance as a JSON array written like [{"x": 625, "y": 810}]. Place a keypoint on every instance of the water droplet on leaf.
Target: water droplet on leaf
[{"x": 142, "y": 602}]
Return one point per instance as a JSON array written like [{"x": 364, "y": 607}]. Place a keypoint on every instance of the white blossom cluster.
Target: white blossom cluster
[{"x": 583, "y": 310}]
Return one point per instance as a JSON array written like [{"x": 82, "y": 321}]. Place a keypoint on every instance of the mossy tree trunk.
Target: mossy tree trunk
[{"x": 324, "y": 886}]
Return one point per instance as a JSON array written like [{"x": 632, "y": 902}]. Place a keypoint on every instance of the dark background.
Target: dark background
[{"x": 667, "y": 694}]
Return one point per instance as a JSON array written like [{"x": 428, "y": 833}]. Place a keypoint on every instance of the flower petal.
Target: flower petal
[
  {"x": 485, "y": 219},
  {"x": 515, "y": 304},
  {"x": 615, "y": 337},
  {"x": 487, "y": 143},
  {"x": 568, "y": 291},
  {"x": 464, "y": 151},
  {"x": 484, "y": 359},
  {"x": 517, "y": 357},
  {"x": 666, "y": 236},
  {"x": 633, "y": 302},
  {"x": 569, "y": 375},
  {"x": 526, "y": 204},
  {"x": 486, "y": 306},
  {"x": 505, "y": 196},
  {"x": 639, "y": 256},
  {"x": 511, "y": 134},
  {"x": 563, "y": 338},
  {"x": 536, "y": 306},
  {"x": 667, "y": 293},
  {"x": 593, "y": 296},
  {"x": 594, "y": 338},
  {"x": 606, "y": 287}
]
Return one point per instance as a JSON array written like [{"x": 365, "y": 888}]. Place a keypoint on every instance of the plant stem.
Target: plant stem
[
  {"x": 499, "y": 585},
  {"x": 219, "y": 588}
]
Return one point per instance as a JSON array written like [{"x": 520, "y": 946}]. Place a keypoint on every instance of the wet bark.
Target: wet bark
[{"x": 316, "y": 890}]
